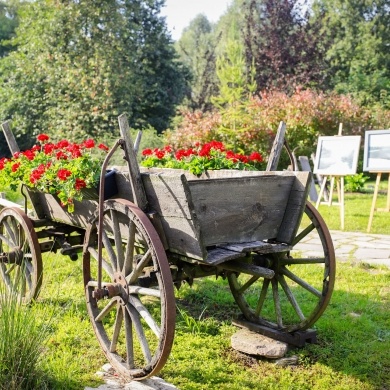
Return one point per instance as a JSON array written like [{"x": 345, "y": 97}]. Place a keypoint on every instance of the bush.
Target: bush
[
  {"x": 307, "y": 114},
  {"x": 355, "y": 183}
]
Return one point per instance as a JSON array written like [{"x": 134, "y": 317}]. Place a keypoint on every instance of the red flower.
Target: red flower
[
  {"x": 256, "y": 156},
  {"x": 147, "y": 152},
  {"x": 80, "y": 183},
  {"x": 15, "y": 167},
  {"x": 159, "y": 154},
  {"x": 63, "y": 144},
  {"x": 63, "y": 174},
  {"x": 30, "y": 154},
  {"x": 61, "y": 155},
  {"x": 103, "y": 147},
  {"x": 2, "y": 163},
  {"x": 42, "y": 137},
  {"x": 231, "y": 156},
  {"x": 89, "y": 143},
  {"x": 48, "y": 148}
]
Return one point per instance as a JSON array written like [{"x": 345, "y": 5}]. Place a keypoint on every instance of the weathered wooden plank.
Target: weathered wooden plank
[
  {"x": 240, "y": 209},
  {"x": 50, "y": 208},
  {"x": 277, "y": 147},
  {"x": 135, "y": 183},
  {"x": 219, "y": 255},
  {"x": 295, "y": 207},
  {"x": 254, "y": 246},
  {"x": 9, "y": 136},
  {"x": 250, "y": 269}
]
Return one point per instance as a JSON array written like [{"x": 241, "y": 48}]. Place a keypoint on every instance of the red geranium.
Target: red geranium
[
  {"x": 62, "y": 169},
  {"x": 42, "y": 137}
]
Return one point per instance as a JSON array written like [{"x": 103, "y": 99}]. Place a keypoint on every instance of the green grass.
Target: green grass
[
  {"x": 353, "y": 334},
  {"x": 352, "y": 349},
  {"x": 357, "y": 208}
]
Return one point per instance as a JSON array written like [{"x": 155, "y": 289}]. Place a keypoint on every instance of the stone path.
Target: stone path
[{"x": 373, "y": 249}]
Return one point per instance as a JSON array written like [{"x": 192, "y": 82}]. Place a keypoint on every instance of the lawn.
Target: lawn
[{"x": 353, "y": 333}]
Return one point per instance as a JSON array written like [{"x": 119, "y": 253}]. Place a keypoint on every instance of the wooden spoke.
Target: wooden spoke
[
  {"x": 249, "y": 283},
  {"x": 129, "y": 339},
  {"x": 11, "y": 232},
  {"x": 137, "y": 271},
  {"x": 278, "y": 310},
  {"x": 143, "y": 311},
  {"x": 110, "y": 251},
  {"x": 262, "y": 297},
  {"x": 106, "y": 266},
  {"x": 106, "y": 310},
  {"x": 310, "y": 260},
  {"x": 129, "y": 255},
  {"x": 134, "y": 315},
  {"x": 301, "y": 282},
  {"x": 291, "y": 297},
  {"x": 118, "y": 239},
  {"x": 117, "y": 327}
]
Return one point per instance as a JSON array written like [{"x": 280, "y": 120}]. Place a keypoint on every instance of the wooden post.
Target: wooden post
[
  {"x": 137, "y": 187},
  {"x": 13, "y": 146},
  {"x": 276, "y": 148}
]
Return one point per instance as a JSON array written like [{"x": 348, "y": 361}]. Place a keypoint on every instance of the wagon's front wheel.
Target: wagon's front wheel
[
  {"x": 20, "y": 255},
  {"x": 133, "y": 313},
  {"x": 295, "y": 298}
]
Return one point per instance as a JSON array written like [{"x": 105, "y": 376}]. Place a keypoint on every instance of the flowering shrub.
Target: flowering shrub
[
  {"x": 211, "y": 155},
  {"x": 62, "y": 169}
]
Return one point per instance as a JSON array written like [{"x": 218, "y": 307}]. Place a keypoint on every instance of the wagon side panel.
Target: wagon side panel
[
  {"x": 50, "y": 208},
  {"x": 295, "y": 207},
  {"x": 169, "y": 196},
  {"x": 240, "y": 209}
]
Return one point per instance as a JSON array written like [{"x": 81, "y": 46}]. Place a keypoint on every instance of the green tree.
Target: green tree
[
  {"x": 236, "y": 85},
  {"x": 285, "y": 48},
  {"x": 81, "y": 63},
  {"x": 197, "y": 50},
  {"x": 358, "y": 33},
  {"x": 8, "y": 23}
]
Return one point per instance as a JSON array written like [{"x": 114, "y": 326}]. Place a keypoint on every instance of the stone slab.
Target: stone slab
[{"x": 253, "y": 343}]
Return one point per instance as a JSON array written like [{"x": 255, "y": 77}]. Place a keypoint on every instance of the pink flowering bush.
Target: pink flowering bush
[
  {"x": 210, "y": 156},
  {"x": 62, "y": 169}
]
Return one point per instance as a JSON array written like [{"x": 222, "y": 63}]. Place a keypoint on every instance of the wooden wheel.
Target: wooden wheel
[
  {"x": 20, "y": 254},
  {"x": 133, "y": 314},
  {"x": 299, "y": 292}
]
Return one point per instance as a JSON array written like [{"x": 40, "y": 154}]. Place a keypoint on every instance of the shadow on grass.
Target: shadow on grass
[{"x": 353, "y": 332}]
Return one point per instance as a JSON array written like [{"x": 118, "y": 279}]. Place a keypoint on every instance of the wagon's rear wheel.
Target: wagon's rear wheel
[
  {"x": 135, "y": 322},
  {"x": 300, "y": 291},
  {"x": 20, "y": 255}
]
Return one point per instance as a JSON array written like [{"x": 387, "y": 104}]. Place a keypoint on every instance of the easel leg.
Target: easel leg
[
  {"x": 388, "y": 195},
  {"x": 378, "y": 179},
  {"x": 331, "y": 191},
  {"x": 324, "y": 179},
  {"x": 340, "y": 189}
]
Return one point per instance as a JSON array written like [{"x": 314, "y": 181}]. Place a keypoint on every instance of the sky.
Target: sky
[{"x": 179, "y": 13}]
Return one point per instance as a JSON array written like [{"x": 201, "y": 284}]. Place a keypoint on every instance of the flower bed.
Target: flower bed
[
  {"x": 63, "y": 169},
  {"x": 210, "y": 156}
]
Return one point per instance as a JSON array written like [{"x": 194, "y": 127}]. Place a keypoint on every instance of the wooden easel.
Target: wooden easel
[
  {"x": 374, "y": 199},
  {"x": 340, "y": 195},
  {"x": 340, "y": 190}
]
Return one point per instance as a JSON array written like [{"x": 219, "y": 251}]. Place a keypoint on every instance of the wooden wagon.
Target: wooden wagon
[{"x": 166, "y": 227}]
